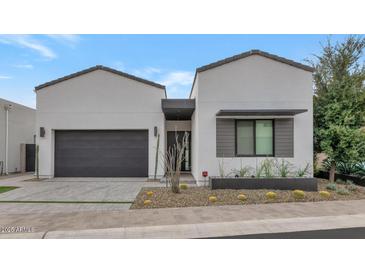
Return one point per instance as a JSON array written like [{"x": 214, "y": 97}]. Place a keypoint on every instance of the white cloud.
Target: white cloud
[
  {"x": 181, "y": 78},
  {"x": 23, "y": 66},
  {"x": 119, "y": 65},
  {"x": 178, "y": 83},
  {"x": 68, "y": 39},
  {"x": 27, "y": 41},
  {"x": 5, "y": 77},
  {"x": 147, "y": 72}
]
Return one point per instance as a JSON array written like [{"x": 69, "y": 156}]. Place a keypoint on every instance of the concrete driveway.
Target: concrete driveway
[
  {"x": 78, "y": 189},
  {"x": 70, "y": 190}
]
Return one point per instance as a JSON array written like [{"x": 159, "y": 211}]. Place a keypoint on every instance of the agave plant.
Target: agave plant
[{"x": 346, "y": 168}]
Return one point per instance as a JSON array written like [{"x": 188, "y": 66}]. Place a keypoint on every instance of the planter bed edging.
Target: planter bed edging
[{"x": 305, "y": 184}]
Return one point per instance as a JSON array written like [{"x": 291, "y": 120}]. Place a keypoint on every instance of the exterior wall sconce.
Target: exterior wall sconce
[
  {"x": 155, "y": 131},
  {"x": 42, "y": 132}
]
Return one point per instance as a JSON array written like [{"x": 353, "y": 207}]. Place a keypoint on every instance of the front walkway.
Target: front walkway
[{"x": 172, "y": 221}]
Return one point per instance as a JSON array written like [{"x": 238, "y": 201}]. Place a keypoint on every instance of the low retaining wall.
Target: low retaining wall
[
  {"x": 356, "y": 180},
  {"x": 306, "y": 184}
]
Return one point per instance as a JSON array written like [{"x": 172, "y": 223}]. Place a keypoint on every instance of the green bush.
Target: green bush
[
  {"x": 331, "y": 186},
  {"x": 351, "y": 187},
  {"x": 147, "y": 202},
  {"x": 242, "y": 197},
  {"x": 343, "y": 191},
  {"x": 340, "y": 181},
  {"x": 325, "y": 194},
  {"x": 183, "y": 186},
  {"x": 299, "y": 194},
  {"x": 271, "y": 195}
]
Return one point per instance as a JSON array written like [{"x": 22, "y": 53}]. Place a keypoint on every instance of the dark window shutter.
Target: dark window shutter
[
  {"x": 225, "y": 137},
  {"x": 284, "y": 137}
]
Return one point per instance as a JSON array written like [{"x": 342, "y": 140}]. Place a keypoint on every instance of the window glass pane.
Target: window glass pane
[
  {"x": 264, "y": 137},
  {"x": 245, "y": 138}
]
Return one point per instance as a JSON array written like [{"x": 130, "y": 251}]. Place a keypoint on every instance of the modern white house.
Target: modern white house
[
  {"x": 101, "y": 122},
  {"x": 17, "y": 132}
]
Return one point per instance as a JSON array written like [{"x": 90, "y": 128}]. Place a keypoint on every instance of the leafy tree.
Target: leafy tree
[{"x": 339, "y": 102}]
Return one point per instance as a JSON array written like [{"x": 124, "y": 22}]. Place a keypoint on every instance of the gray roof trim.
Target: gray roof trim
[
  {"x": 99, "y": 67},
  {"x": 255, "y": 52},
  {"x": 247, "y": 54},
  {"x": 260, "y": 112}
]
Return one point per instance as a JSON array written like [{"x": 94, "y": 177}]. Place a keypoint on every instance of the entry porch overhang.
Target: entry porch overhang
[{"x": 178, "y": 109}]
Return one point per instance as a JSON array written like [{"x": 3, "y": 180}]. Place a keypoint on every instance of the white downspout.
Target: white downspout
[{"x": 7, "y": 108}]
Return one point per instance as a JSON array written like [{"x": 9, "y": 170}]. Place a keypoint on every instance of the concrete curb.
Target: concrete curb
[{"x": 204, "y": 230}]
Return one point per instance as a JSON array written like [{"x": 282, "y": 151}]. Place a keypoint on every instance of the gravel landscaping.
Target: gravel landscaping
[{"x": 161, "y": 197}]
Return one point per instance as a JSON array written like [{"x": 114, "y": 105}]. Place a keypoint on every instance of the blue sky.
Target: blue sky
[{"x": 30, "y": 60}]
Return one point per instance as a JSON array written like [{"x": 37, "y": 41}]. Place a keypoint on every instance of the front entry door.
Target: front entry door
[{"x": 171, "y": 140}]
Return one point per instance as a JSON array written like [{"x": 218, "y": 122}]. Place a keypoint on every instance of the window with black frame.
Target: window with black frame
[{"x": 254, "y": 138}]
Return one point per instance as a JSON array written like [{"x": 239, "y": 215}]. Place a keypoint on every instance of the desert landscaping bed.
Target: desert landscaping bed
[{"x": 162, "y": 197}]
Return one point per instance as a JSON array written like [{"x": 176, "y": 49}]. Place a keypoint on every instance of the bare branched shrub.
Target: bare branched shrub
[{"x": 172, "y": 161}]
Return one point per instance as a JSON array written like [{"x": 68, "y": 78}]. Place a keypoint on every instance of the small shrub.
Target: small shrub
[
  {"x": 324, "y": 194},
  {"x": 271, "y": 195},
  {"x": 212, "y": 199},
  {"x": 349, "y": 182},
  {"x": 283, "y": 168},
  {"x": 266, "y": 169},
  {"x": 147, "y": 202},
  {"x": 149, "y": 193},
  {"x": 301, "y": 172},
  {"x": 183, "y": 186},
  {"x": 331, "y": 186},
  {"x": 221, "y": 167},
  {"x": 340, "y": 181},
  {"x": 351, "y": 187},
  {"x": 242, "y": 172},
  {"x": 299, "y": 194},
  {"x": 343, "y": 191},
  {"x": 242, "y": 197}
]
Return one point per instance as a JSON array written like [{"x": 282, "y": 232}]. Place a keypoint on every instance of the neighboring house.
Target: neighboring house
[
  {"x": 102, "y": 122},
  {"x": 17, "y": 128}
]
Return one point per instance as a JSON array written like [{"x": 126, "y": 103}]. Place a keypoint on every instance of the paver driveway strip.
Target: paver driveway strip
[{"x": 73, "y": 189}]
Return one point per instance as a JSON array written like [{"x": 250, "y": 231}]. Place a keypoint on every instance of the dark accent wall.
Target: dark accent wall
[
  {"x": 284, "y": 137},
  {"x": 225, "y": 137}
]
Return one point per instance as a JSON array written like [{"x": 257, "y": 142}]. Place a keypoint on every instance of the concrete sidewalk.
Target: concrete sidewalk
[
  {"x": 206, "y": 230},
  {"x": 263, "y": 216}
]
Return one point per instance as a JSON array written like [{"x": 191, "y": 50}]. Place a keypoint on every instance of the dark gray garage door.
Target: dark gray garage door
[{"x": 101, "y": 153}]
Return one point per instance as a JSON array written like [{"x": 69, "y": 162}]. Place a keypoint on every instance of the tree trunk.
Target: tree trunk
[
  {"x": 175, "y": 184},
  {"x": 332, "y": 172}
]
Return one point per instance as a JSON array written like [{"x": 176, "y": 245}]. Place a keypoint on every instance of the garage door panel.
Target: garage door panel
[{"x": 121, "y": 153}]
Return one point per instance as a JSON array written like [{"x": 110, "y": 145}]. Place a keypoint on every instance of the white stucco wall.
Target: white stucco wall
[
  {"x": 254, "y": 82},
  {"x": 194, "y": 131},
  {"x": 98, "y": 100},
  {"x": 21, "y": 131}
]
